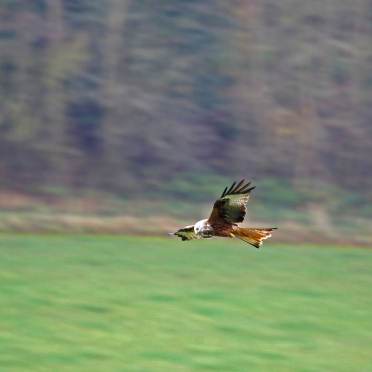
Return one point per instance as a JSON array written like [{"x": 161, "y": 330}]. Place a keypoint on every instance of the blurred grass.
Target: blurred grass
[
  {"x": 306, "y": 211},
  {"x": 108, "y": 303},
  {"x": 182, "y": 197}
]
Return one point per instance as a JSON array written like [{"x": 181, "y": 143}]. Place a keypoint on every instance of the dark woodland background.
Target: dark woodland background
[{"x": 121, "y": 109}]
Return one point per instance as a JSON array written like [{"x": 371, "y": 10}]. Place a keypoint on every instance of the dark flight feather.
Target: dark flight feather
[{"x": 231, "y": 206}]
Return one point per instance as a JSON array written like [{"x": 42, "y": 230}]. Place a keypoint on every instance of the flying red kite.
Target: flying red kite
[{"x": 227, "y": 212}]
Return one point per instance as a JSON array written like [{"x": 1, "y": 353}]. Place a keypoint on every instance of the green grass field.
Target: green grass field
[{"x": 102, "y": 303}]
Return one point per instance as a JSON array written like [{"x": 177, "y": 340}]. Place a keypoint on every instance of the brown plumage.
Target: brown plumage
[
  {"x": 252, "y": 236},
  {"x": 229, "y": 210},
  {"x": 231, "y": 207}
]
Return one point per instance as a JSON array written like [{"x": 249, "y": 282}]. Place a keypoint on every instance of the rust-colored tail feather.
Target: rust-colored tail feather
[{"x": 253, "y": 236}]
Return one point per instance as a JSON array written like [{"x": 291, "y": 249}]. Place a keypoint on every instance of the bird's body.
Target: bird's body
[{"x": 227, "y": 212}]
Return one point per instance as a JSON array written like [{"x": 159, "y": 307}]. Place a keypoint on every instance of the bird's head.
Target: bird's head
[
  {"x": 203, "y": 229},
  {"x": 200, "y": 226}
]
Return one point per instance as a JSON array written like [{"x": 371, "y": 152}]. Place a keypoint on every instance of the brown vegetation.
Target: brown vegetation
[{"x": 151, "y": 104}]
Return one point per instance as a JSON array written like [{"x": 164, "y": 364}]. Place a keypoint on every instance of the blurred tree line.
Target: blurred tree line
[{"x": 126, "y": 96}]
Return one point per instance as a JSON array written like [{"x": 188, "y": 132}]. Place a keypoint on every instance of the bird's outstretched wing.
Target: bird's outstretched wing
[
  {"x": 231, "y": 206},
  {"x": 187, "y": 233}
]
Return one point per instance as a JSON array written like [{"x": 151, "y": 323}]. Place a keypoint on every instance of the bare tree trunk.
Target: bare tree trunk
[
  {"x": 55, "y": 97},
  {"x": 115, "y": 91}
]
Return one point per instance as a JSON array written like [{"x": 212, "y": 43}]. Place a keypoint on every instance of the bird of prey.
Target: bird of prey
[{"x": 227, "y": 212}]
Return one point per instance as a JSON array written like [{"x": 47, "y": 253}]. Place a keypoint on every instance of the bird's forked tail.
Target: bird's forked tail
[{"x": 253, "y": 236}]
